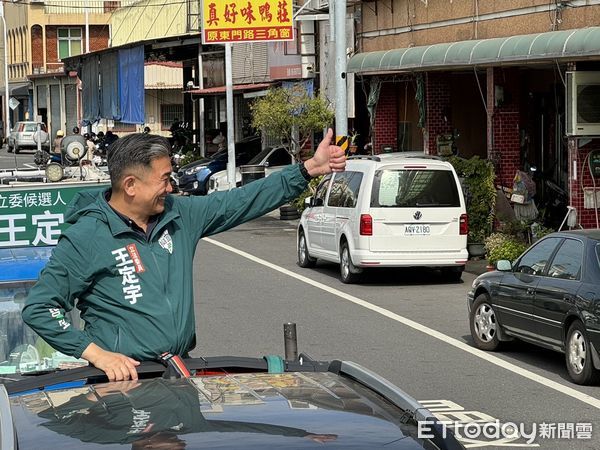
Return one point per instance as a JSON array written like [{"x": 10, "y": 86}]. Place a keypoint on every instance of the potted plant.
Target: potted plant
[
  {"x": 503, "y": 246},
  {"x": 353, "y": 144}
]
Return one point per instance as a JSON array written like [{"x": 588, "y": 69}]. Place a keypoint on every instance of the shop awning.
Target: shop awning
[
  {"x": 17, "y": 89},
  {"x": 570, "y": 45},
  {"x": 220, "y": 90}
]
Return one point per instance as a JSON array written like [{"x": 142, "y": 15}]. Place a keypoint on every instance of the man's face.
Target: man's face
[{"x": 153, "y": 186}]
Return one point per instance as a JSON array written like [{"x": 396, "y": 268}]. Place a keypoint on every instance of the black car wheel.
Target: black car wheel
[
  {"x": 304, "y": 258},
  {"x": 579, "y": 357},
  {"x": 349, "y": 273},
  {"x": 483, "y": 324}
]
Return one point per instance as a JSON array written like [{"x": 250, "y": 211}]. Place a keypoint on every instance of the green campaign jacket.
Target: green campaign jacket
[{"x": 135, "y": 295}]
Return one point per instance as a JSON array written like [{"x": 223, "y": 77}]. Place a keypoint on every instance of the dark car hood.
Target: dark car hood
[{"x": 292, "y": 410}]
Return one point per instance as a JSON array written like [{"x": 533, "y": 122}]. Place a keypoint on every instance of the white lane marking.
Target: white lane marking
[{"x": 585, "y": 398}]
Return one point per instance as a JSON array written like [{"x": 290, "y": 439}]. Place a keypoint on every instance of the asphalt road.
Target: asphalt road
[
  {"x": 23, "y": 159},
  {"x": 409, "y": 326}
]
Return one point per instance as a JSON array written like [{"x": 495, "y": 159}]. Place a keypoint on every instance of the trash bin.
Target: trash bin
[{"x": 252, "y": 172}]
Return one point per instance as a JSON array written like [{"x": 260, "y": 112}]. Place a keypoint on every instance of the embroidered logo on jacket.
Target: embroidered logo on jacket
[
  {"x": 58, "y": 315},
  {"x": 166, "y": 241},
  {"x": 128, "y": 263}
]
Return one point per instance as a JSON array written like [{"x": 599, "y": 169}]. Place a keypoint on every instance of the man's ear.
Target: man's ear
[{"x": 129, "y": 184}]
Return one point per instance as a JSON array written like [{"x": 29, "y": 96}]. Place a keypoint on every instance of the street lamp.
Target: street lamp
[{"x": 6, "y": 119}]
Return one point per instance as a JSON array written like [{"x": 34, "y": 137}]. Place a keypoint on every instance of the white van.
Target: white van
[{"x": 390, "y": 210}]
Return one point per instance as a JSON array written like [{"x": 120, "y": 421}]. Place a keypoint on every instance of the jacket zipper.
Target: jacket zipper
[{"x": 177, "y": 332}]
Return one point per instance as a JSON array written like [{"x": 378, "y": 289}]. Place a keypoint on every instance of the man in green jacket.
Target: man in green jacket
[{"x": 127, "y": 257}]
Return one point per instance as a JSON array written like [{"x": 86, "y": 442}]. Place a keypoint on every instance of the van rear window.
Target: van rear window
[{"x": 414, "y": 188}]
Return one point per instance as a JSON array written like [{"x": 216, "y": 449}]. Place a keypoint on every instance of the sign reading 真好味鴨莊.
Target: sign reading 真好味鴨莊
[{"x": 247, "y": 21}]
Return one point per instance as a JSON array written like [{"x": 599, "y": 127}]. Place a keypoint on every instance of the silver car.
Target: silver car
[{"x": 21, "y": 136}]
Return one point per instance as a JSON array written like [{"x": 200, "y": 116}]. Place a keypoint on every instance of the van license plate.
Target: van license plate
[{"x": 417, "y": 230}]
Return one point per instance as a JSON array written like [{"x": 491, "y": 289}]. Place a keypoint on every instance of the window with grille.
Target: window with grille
[
  {"x": 168, "y": 115},
  {"x": 120, "y": 126},
  {"x": 69, "y": 42}
]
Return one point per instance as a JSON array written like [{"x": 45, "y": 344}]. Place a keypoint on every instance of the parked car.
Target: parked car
[
  {"x": 550, "y": 296},
  {"x": 272, "y": 158},
  {"x": 391, "y": 210},
  {"x": 21, "y": 136},
  {"x": 193, "y": 178}
]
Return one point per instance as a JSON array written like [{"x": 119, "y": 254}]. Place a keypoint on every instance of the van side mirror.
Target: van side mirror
[
  {"x": 317, "y": 202},
  {"x": 308, "y": 202}
]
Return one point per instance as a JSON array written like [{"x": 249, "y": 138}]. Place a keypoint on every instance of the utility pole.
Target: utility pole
[
  {"x": 230, "y": 133},
  {"x": 6, "y": 93},
  {"x": 87, "y": 28},
  {"x": 338, "y": 32}
]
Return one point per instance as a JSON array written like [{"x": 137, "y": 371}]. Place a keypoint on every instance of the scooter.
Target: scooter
[{"x": 41, "y": 158}]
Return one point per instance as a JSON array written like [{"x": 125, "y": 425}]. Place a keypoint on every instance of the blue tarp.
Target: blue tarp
[
  {"x": 131, "y": 84},
  {"x": 91, "y": 89},
  {"x": 109, "y": 89}
]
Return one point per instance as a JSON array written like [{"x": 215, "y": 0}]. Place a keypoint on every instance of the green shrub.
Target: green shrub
[
  {"x": 480, "y": 194},
  {"x": 503, "y": 246}
]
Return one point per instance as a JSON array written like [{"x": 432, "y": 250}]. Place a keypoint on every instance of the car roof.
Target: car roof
[
  {"x": 22, "y": 264},
  {"x": 270, "y": 409},
  {"x": 591, "y": 233},
  {"x": 416, "y": 158}
]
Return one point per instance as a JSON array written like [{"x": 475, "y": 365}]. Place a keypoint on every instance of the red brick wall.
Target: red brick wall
[
  {"x": 585, "y": 217},
  {"x": 386, "y": 118},
  {"x": 98, "y": 40},
  {"x": 506, "y": 142},
  {"x": 439, "y": 112},
  {"x": 37, "y": 48}
]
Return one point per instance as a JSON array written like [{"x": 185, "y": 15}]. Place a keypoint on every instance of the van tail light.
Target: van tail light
[
  {"x": 366, "y": 225},
  {"x": 464, "y": 224}
]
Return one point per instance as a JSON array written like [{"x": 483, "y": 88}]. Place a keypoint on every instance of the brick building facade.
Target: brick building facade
[{"x": 490, "y": 89}]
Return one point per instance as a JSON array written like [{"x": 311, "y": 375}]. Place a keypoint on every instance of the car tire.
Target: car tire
[
  {"x": 304, "y": 258},
  {"x": 289, "y": 216},
  {"x": 288, "y": 209},
  {"x": 349, "y": 273},
  {"x": 578, "y": 356},
  {"x": 483, "y": 324}
]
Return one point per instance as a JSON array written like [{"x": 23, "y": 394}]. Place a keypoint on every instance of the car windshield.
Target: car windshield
[
  {"x": 21, "y": 349},
  {"x": 393, "y": 188},
  {"x": 258, "y": 158}
]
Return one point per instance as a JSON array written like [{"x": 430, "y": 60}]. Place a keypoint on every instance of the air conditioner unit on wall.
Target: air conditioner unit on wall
[{"x": 583, "y": 104}]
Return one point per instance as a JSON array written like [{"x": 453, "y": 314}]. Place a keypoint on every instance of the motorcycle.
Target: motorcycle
[{"x": 42, "y": 158}]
